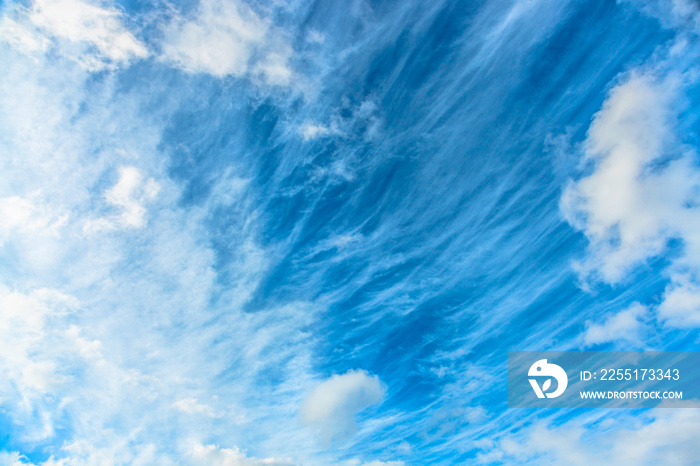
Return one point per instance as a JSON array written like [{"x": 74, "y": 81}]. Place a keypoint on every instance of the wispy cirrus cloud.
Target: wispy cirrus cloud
[{"x": 243, "y": 245}]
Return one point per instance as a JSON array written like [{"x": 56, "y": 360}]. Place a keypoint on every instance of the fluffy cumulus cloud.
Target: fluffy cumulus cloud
[
  {"x": 92, "y": 34},
  {"x": 681, "y": 304},
  {"x": 643, "y": 190},
  {"x": 332, "y": 405},
  {"x": 227, "y": 38},
  {"x": 127, "y": 197},
  {"x": 662, "y": 436}
]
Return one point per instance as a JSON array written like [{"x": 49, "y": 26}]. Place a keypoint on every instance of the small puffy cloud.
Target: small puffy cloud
[
  {"x": 681, "y": 304},
  {"x": 129, "y": 196},
  {"x": 227, "y": 38},
  {"x": 332, "y": 405},
  {"x": 311, "y": 131},
  {"x": 212, "y": 455},
  {"x": 192, "y": 406},
  {"x": 129, "y": 193},
  {"x": 274, "y": 67},
  {"x": 93, "y": 35},
  {"x": 625, "y": 326}
]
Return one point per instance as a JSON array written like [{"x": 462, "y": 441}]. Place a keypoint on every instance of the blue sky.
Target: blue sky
[{"x": 308, "y": 233}]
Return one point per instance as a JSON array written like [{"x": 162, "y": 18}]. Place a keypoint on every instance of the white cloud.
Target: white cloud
[
  {"x": 313, "y": 131},
  {"x": 227, "y": 38},
  {"x": 661, "y": 436},
  {"x": 95, "y": 36},
  {"x": 212, "y": 455},
  {"x": 624, "y": 326},
  {"x": 26, "y": 216},
  {"x": 39, "y": 348},
  {"x": 681, "y": 304},
  {"x": 275, "y": 66},
  {"x": 684, "y": 14},
  {"x": 192, "y": 406},
  {"x": 356, "y": 462},
  {"x": 347, "y": 121},
  {"x": 91, "y": 383},
  {"x": 15, "y": 459},
  {"x": 627, "y": 210},
  {"x": 129, "y": 195},
  {"x": 384, "y": 463},
  {"x": 644, "y": 189},
  {"x": 22, "y": 38},
  {"x": 315, "y": 37},
  {"x": 332, "y": 405}
]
